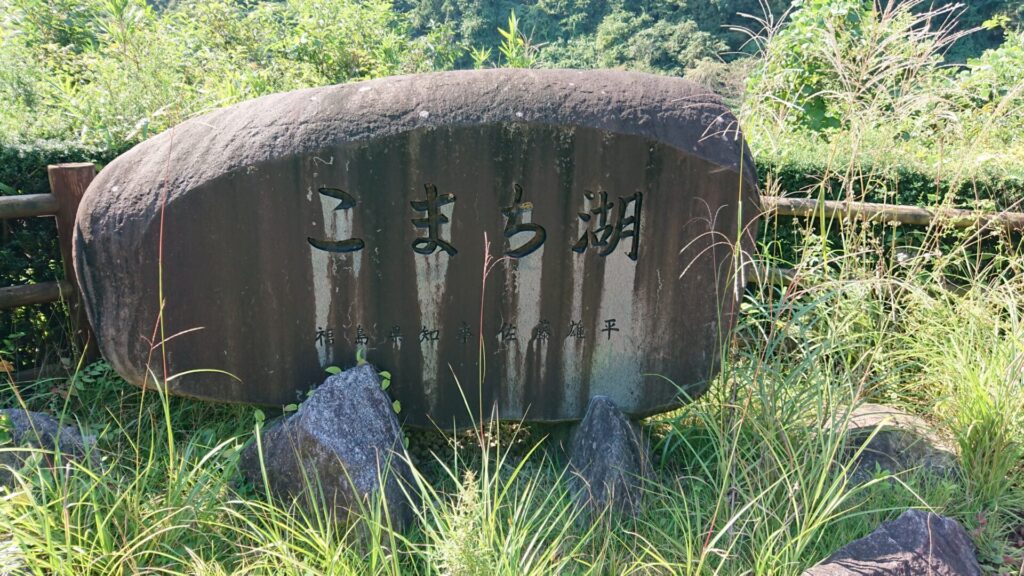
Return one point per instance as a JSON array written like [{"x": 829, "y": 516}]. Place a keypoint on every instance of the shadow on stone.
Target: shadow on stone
[
  {"x": 608, "y": 460},
  {"x": 340, "y": 444}
]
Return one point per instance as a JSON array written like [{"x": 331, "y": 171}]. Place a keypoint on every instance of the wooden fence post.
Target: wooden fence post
[{"x": 68, "y": 183}]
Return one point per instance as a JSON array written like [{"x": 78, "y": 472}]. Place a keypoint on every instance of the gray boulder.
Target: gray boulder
[
  {"x": 34, "y": 431},
  {"x": 341, "y": 443},
  {"x": 608, "y": 459},
  {"x": 917, "y": 542},
  {"x": 903, "y": 442}
]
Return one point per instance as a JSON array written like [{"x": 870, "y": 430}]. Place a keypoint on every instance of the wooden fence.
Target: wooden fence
[
  {"x": 878, "y": 213},
  {"x": 67, "y": 185},
  {"x": 69, "y": 181},
  {"x": 912, "y": 215}
]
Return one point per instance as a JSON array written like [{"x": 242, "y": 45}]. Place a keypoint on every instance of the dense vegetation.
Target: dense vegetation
[
  {"x": 911, "y": 101},
  {"x": 111, "y": 72},
  {"x": 747, "y": 480}
]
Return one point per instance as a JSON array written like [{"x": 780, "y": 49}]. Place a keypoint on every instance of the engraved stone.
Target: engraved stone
[{"x": 300, "y": 228}]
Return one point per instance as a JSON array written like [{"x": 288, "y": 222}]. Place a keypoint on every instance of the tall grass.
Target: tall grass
[{"x": 749, "y": 478}]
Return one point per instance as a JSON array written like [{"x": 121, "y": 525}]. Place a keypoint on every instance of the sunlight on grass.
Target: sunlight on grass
[{"x": 749, "y": 477}]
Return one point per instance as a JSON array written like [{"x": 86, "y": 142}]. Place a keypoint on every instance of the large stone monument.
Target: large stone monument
[{"x": 285, "y": 233}]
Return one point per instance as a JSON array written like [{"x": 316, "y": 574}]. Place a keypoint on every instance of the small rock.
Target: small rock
[
  {"x": 917, "y": 542},
  {"x": 903, "y": 442},
  {"x": 608, "y": 458},
  {"x": 342, "y": 441},
  {"x": 34, "y": 430}
]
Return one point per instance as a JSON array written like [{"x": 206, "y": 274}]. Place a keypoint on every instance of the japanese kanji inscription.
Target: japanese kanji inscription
[
  {"x": 534, "y": 225},
  {"x": 606, "y": 237}
]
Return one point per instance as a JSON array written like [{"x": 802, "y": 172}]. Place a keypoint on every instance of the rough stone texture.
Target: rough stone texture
[
  {"x": 608, "y": 458},
  {"x": 33, "y": 430},
  {"x": 340, "y": 442},
  {"x": 916, "y": 543},
  {"x": 902, "y": 443},
  {"x": 252, "y": 189}
]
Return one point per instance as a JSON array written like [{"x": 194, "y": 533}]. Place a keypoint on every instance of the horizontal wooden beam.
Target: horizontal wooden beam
[
  {"x": 760, "y": 275},
  {"x": 14, "y": 296},
  {"x": 913, "y": 215},
  {"x": 49, "y": 371},
  {"x": 28, "y": 205}
]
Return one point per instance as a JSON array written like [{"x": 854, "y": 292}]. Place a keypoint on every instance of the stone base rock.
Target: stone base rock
[
  {"x": 34, "y": 430},
  {"x": 917, "y": 542},
  {"x": 903, "y": 442},
  {"x": 608, "y": 459},
  {"x": 343, "y": 440}
]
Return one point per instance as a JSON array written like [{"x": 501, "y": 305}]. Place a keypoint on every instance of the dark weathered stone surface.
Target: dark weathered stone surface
[
  {"x": 608, "y": 459},
  {"x": 916, "y": 543},
  {"x": 253, "y": 196},
  {"x": 895, "y": 442},
  {"x": 339, "y": 444},
  {"x": 33, "y": 430}
]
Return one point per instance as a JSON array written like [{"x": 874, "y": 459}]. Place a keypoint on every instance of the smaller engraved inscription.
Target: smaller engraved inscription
[
  {"x": 361, "y": 338},
  {"x": 465, "y": 333},
  {"x": 575, "y": 330},
  {"x": 507, "y": 332},
  {"x": 609, "y": 327},
  {"x": 324, "y": 336},
  {"x": 542, "y": 331},
  {"x": 427, "y": 335}
]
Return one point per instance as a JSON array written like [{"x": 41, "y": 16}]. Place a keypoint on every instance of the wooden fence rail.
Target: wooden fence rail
[
  {"x": 28, "y": 205},
  {"x": 912, "y": 215},
  {"x": 41, "y": 293},
  {"x": 67, "y": 185}
]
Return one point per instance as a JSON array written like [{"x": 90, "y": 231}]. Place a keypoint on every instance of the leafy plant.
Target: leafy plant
[
  {"x": 835, "y": 58},
  {"x": 515, "y": 47}
]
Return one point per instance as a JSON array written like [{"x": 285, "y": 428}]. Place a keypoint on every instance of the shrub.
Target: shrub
[
  {"x": 29, "y": 253},
  {"x": 838, "y": 58},
  {"x": 637, "y": 42},
  {"x": 113, "y": 72},
  {"x": 994, "y": 84}
]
